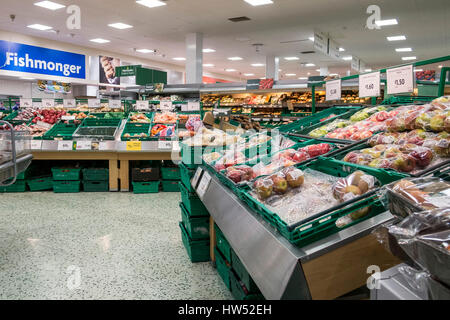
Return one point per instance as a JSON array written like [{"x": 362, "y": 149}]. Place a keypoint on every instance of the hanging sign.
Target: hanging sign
[
  {"x": 333, "y": 49},
  {"x": 333, "y": 90},
  {"x": 115, "y": 104},
  {"x": 320, "y": 42},
  {"x": 400, "y": 80},
  {"x": 369, "y": 85},
  {"x": 69, "y": 103},
  {"x": 94, "y": 103},
  {"x": 165, "y": 105},
  {"x": 26, "y": 103},
  {"x": 355, "y": 63},
  {"x": 142, "y": 105}
]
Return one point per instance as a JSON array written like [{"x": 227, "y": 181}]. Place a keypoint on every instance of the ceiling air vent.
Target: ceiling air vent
[
  {"x": 239, "y": 19},
  {"x": 307, "y": 52}
]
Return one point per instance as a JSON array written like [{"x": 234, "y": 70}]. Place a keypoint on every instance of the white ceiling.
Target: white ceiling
[{"x": 426, "y": 23}]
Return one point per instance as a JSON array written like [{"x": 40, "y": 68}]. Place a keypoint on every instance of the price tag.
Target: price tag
[
  {"x": 176, "y": 146},
  {"x": 48, "y": 103},
  {"x": 400, "y": 80},
  {"x": 266, "y": 119},
  {"x": 193, "y": 106},
  {"x": 37, "y": 105},
  {"x": 44, "y": 124},
  {"x": 369, "y": 85},
  {"x": 165, "y": 145},
  {"x": 65, "y": 145},
  {"x": 142, "y": 105},
  {"x": 333, "y": 89},
  {"x": 36, "y": 144},
  {"x": 26, "y": 103},
  {"x": 83, "y": 145},
  {"x": 204, "y": 184},
  {"x": 256, "y": 119},
  {"x": 276, "y": 119},
  {"x": 165, "y": 105},
  {"x": 68, "y": 118},
  {"x": 94, "y": 103},
  {"x": 69, "y": 103},
  {"x": 196, "y": 177},
  {"x": 115, "y": 104},
  {"x": 134, "y": 145}
]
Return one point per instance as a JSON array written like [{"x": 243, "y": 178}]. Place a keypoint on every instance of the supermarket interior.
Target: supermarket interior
[{"x": 225, "y": 150}]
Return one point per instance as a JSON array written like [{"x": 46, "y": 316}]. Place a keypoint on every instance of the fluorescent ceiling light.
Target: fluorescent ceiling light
[
  {"x": 249, "y": 74},
  {"x": 230, "y": 70},
  {"x": 208, "y": 50},
  {"x": 291, "y": 58},
  {"x": 333, "y": 74},
  {"x": 279, "y": 70},
  {"x": 341, "y": 49},
  {"x": 408, "y": 58},
  {"x": 235, "y": 58},
  {"x": 418, "y": 70},
  {"x": 145, "y": 51},
  {"x": 311, "y": 38},
  {"x": 318, "y": 70},
  {"x": 290, "y": 74},
  {"x": 49, "y": 5},
  {"x": 258, "y": 64},
  {"x": 263, "y": 78},
  {"x": 403, "y": 49},
  {"x": 151, "y": 3},
  {"x": 367, "y": 70},
  {"x": 388, "y": 22},
  {"x": 310, "y": 65},
  {"x": 396, "y": 38},
  {"x": 440, "y": 67},
  {"x": 309, "y": 73},
  {"x": 120, "y": 25},
  {"x": 38, "y": 26},
  {"x": 348, "y": 58},
  {"x": 303, "y": 78},
  {"x": 179, "y": 59},
  {"x": 100, "y": 40},
  {"x": 27, "y": 78},
  {"x": 259, "y": 2},
  {"x": 208, "y": 65}
]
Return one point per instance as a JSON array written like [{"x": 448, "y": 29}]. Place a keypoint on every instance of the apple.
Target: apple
[
  {"x": 264, "y": 188},
  {"x": 423, "y": 156},
  {"x": 235, "y": 176},
  {"x": 295, "y": 178},
  {"x": 300, "y": 156},
  {"x": 404, "y": 163},
  {"x": 437, "y": 123},
  {"x": 280, "y": 184}
]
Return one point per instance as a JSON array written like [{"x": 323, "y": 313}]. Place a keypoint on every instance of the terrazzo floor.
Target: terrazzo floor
[{"x": 98, "y": 246}]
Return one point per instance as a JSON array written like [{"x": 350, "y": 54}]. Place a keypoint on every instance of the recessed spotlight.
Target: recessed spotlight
[
  {"x": 290, "y": 74},
  {"x": 208, "y": 65},
  {"x": 310, "y": 65},
  {"x": 40, "y": 27},
  {"x": 145, "y": 51},
  {"x": 311, "y": 38},
  {"x": 49, "y": 5},
  {"x": 418, "y": 70},
  {"x": 99, "y": 40},
  {"x": 396, "y": 38},
  {"x": 440, "y": 67},
  {"x": 309, "y": 73},
  {"x": 367, "y": 70},
  {"x": 235, "y": 58},
  {"x": 120, "y": 25},
  {"x": 388, "y": 22},
  {"x": 208, "y": 50},
  {"x": 341, "y": 49},
  {"x": 258, "y": 64},
  {"x": 291, "y": 58},
  {"x": 403, "y": 49},
  {"x": 318, "y": 70},
  {"x": 303, "y": 78},
  {"x": 259, "y": 2},
  {"x": 279, "y": 70},
  {"x": 151, "y": 3},
  {"x": 179, "y": 59},
  {"x": 348, "y": 58},
  {"x": 230, "y": 70},
  {"x": 249, "y": 74},
  {"x": 408, "y": 58}
]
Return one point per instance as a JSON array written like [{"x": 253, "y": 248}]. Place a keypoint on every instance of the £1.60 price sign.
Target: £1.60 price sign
[
  {"x": 400, "y": 80},
  {"x": 369, "y": 85},
  {"x": 333, "y": 90}
]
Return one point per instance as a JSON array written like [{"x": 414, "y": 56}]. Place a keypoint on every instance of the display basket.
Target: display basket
[
  {"x": 145, "y": 187},
  {"x": 165, "y": 138},
  {"x": 60, "y": 131},
  {"x": 98, "y": 129},
  {"x": 136, "y": 130}
]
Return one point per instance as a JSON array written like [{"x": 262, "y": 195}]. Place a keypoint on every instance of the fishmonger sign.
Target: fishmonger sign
[{"x": 25, "y": 58}]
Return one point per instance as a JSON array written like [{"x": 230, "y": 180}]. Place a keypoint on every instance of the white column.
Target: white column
[
  {"x": 324, "y": 71},
  {"x": 194, "y": 58},
  {"x": 272, "y": 67}
]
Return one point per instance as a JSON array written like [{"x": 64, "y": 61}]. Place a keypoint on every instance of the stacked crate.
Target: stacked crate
[
  {"x": 146, "y": 177},
  {"x": 66, "y": 179},
  {"x": 40, "y": 178},
  {"x": 170, "y": 174},
  {"x": 95, "y": 180},
  {"x": 21, "y": 182}
]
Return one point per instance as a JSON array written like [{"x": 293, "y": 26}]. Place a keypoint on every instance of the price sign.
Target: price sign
[
  {"x": 94, "y": 103},
  {"x": 193, "y": 106},
  {"x": 36, "y": 144},
  {"x": 65, "y": 145},
  {"x": 266, "y": 119},
  {"x": 48, "y": 103},
  {"x": 37, "y": 105},
  {"x": 68, "y": 118},
  {"x": 369, "y": 85},
  {"x": 44, "y": 124},
  {"x": 204, "y": 184},
  {"x": 400, "y": 80},
  {"x": 83, "y": 145},
  {"x": 142, "y": 105},
  {"x": 26, "y": 103},
  {"x": 196, "y": 177},
  {"x": 115, "y": 104},
  {"x": 165, "y": 105},
  {"x": 164, "y": 145},
  {"x": 69, "y": 103},
  {"x": 333, "y": 90},
  {"x": 134, "y": 145}
]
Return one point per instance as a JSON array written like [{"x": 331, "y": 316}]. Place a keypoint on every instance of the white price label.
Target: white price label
[
  {"x": 165, "y": 105},
  {"x": 84, "y": 145},
  {"x": 36, "y": 144},
  {"x": 266, "y": 119},
  {"x": 94, "y": 103},
  {"x": 44, "y": 124},
  {"x": 164, "y": 144},
  {"x": 176, "y": 146},
  {"x": 68, "y": 118},
  {"x": 48, "y": 103},
  {"x": 65, "y": 145},
  {"x": 196, "y": 177},
  {"x": 369, "y": 85},
  {"x": 115, "y": 104},
  {"x": 69, "y": 103},
  {"x": 204, "y": 184},
  {"x": 400, "y": 80},
  {"x": 256, "y": 119},
  {"x": 142, "y": 105},
  {"x": 193, "y": 106},
  {"x": 37, "y": 105},
  {"x": 333, "y": 90},
  {"x": 26, "y": 103}
]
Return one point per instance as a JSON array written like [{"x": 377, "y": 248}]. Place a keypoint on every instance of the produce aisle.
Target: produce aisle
[{"x": 126, "y": 246}]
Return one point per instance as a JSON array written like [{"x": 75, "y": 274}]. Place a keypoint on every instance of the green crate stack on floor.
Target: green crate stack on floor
[
  {"x": 40, "y": 178},
  {"x": 20, "y": 185},
  {"x": 170, "y": 174},
  {"x": 233, "y": 272},
  {"x": 95, "y": 179},
  {"x": 146, "y": 176},
  {"x": 66, "y": 179}
]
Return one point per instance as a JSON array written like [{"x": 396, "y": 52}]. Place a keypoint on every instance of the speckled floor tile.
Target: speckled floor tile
[{"x": 122, "y": 246}]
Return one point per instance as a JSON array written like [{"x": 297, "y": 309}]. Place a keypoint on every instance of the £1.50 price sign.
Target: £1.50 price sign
[
  {"x": 400, "y": 80},
  {"x": 369, "y": 85},
  {"x": 333, "y": 90}
]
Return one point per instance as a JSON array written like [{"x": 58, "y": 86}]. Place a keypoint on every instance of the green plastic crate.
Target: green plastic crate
[
  {"x": 95, "y": 186},
  {"x": 60, "y": 131},
  {"x": 192, "y": 156},
  {"x": 239, "y": 291},
  {"x": 186, "y": 175},
  {"x": 196, "y": 227},
  {"x": 242, "y": 273},
  {"x": 223, "y": 268},
  {"x": 146, "y": 187},
  {"x": 198, "y": 250},
  {"x": 40, "y": 183},
  {"x": 18, "y": 186},
  {"x": 170, "y": 186},
  {"x": 66, "y": 186},
  {"x": 192, "y": 202},
  {"x": 66, "y": 174},
  {"x": 170, "y": 173},
  {"x": 95, "y": 174},
  {"x": 96, "y": 122},
  {"x": 222, "y": 244},
  {"x": 136, "y": 129}
]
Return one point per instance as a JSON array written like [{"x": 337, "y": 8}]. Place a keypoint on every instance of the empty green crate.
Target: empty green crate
[
  {"x": 222, "y": 244},
  {"x": 239, "y": 291},
  {"x": 197, "y": 227},
  {"x": 96, "y": 174},
  {"x": 66, "y": 174},
  {"x": 186, "y": 175},
  {"x": 40, "y": 183},
  {"x": 66, "y": 186},
  {"x": 145, "y": 187},
  {"x": 170, "y": 186},
  {"x": 95, "y": 186},
  {"x": 242, "y": 273},
  {"x": 170, "y": 173},
  {"x": 136, "y": 131},
  {"x": 60, "y": 131},
  {"x": 198, "y": 250},
  {"x": 18, "y": 186},
  {"x": 192, "y": 202},
  {"x": 223, "y": 268}
]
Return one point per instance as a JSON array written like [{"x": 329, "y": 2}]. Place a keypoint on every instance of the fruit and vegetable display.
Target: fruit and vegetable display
[
  {"x": 27, "y": 114},
  {"x": 366, "y": 113},
  {"x": 205, "y": 137},
  {"x": 162, "y": 130},
  {"x": 329, "y": 127},
  {"x": 165, "y": 117},
  {"x": 139, "y": 118},
  {"x": 50, "y": 116}
]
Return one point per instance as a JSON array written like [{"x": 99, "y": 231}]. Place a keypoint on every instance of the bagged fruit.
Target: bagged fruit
[{"x": 240, "y": 173}]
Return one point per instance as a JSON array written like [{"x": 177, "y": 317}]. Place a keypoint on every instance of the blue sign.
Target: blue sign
[{"x": 24, "y": 58}]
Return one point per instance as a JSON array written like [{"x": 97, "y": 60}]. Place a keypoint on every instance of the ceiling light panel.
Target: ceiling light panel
[
  {"x": 145, "y": 51},
  {"x": 100, "y": 40},
  {"x": 151, "y": 3},
  {"x": 230, "y": 70},
  {"x": 310, "y": 65},
  {"x": 259, "y": 2},
  {"x": 40, "y": 27},
  {"x": 403, "y": 49},
  {"x": 235, "y": 58},
  {"x": 208, "y": 50},
  {"x": 291, "y": 58},
  {"x": 179, "y": 59},
  {"x": 258, "y": 64},
  {"x": 388, "y": 22},
  {"x": 208, "y": 65},
  {"x": 408, "y": 58},
  {"x": 49, "y": 5},
  {"x": 396, "y": 38},
  {"x": 120, "y": 25}
]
